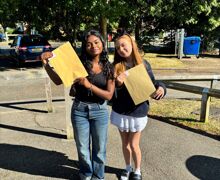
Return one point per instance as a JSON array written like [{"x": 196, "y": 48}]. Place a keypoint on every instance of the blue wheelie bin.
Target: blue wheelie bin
[{"x": 191, "y": 45}]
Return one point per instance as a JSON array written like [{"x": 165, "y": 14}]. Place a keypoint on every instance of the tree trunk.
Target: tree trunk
[
  {"x": 103, "y": 27},
  {"x": 137, "y": 29}
]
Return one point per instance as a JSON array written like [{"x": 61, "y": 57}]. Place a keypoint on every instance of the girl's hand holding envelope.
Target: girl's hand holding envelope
[
  {"x": 121, "y": 78},
  {"x": 65, "y": 63},
  {"x": 84, "y": 82},
  {"x": 45, "y": 57},
  {"x": 159, "y": 93}
]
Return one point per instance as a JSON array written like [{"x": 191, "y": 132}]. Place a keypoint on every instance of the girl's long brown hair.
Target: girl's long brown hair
[{"x": 119, "y": 62}]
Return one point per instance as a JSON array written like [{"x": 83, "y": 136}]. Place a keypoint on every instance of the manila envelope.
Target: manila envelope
[
  {"x": 139, "y": 84},
  {"x": 67, "y": 64}
]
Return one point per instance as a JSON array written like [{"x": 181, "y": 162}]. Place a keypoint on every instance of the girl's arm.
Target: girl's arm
[
  {"x": 119, "y": 80},
  {"x": 52, "y": 74},
  {"x": 160, "y": 87}
]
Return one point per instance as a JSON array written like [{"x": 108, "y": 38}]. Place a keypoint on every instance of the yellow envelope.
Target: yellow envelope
[
  {"x": 139, "y": 84},
  {"x": 67, "y": 64}
]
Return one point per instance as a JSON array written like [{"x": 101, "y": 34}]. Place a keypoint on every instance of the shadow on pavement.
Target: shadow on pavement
[
  {"x": 33, "y": 131},
  {"x": 210, "y": 56},
  {"x": 9, "y": 105},
  {"x": 173, "y": 56},
  {"x": 198, "y": 131},
  {"x": 8, "y": 63},
  {"x": 13, "y": 105},
  {"x": 34, "y": 161},
  {"x": 204, "y": 167},
  {"x": 167, "y": 56}
]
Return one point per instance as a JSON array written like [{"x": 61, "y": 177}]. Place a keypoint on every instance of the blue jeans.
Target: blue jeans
[{"x": 90, "y": 124}]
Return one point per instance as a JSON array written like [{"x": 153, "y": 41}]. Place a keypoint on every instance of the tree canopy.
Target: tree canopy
[{"x": 65, "y": 19}]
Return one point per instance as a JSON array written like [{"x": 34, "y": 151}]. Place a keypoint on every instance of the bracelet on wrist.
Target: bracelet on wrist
[
  {"x": 90, "y": 90},
  {"x": 90, "y": 87}
]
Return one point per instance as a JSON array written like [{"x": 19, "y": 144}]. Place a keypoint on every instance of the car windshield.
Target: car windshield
[{"x": 33, "y": 41}]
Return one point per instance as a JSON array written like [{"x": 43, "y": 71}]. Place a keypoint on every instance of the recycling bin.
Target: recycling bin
[{"x": 191, "y": 45}]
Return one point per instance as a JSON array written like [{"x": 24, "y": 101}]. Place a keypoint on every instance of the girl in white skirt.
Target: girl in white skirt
[{"x": 130, "y": 119}]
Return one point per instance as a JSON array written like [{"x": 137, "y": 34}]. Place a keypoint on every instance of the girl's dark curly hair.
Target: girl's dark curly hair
[{"x": 86, "y": 59}]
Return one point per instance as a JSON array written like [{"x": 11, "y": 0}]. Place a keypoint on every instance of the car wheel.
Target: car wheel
[{"x": 20, "y": 63}]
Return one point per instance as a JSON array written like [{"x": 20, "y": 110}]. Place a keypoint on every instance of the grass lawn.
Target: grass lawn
[
  {"x": 160, "y": 61},
  {"x": 180, "y": 111},
  {"x": 163, "y": 61},
  {"x": 187, "y": 113}
]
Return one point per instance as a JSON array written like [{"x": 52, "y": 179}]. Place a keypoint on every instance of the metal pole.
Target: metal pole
[
  {"x": 48, "y": 95},
  {"x": 68, "y": 102},
  {"x": 180, "y": 48},
  {"x": 176, "y": 41}
]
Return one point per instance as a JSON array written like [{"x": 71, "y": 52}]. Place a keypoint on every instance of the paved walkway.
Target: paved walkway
[{"x": 33, "y": 145}]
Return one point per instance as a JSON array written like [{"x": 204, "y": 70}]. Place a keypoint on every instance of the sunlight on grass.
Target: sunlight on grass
[
  {"x": 160, "y": 61},
  {"x": 187, "y": 113},
  {"x": 111, "y": 57},
  {"x": 163, "y": 61}
]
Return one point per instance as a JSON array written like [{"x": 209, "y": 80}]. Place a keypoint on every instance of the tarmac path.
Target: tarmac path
[{"x": 33, "y": 143}]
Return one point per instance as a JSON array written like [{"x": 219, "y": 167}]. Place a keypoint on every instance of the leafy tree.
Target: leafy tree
[
  {"x": 8, "y": 10},
  {"x": 65, "y": 19}
]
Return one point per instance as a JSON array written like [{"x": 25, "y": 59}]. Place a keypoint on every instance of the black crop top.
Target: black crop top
[{"x": 85, "y": 95}]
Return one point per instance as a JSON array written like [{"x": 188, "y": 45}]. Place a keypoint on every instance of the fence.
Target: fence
[
  {"x": 206, "y": 93},
  {"x": 8, "y": 36},
  {"x": 168, "y": 80},
  {"x": 17, "y": 77},
  {"x": 212, "y": 78}
]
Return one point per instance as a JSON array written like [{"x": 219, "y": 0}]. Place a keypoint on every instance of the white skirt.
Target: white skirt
[{"x": 128, "y": 123}]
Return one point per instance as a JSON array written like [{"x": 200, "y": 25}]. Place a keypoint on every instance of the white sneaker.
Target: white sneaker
[
  {"x": 125, "y": 175},
  {"x": 83, "y": 177}
]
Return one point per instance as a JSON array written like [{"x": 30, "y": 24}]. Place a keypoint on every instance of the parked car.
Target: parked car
[
  {"x": 28, "y": 48},
  {"x": 2, "y": 37}
]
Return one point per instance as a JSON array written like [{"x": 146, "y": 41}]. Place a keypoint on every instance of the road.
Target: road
[
  {"x": 33, "y": 88},
  {"x": 20, "y": 88},
  {"x": 33, "y": 144},
  {"x": 22, "y": 85}
]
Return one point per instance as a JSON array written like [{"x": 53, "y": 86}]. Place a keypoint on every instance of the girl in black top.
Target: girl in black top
[
  {"x": 89, "y": 111},
  {"x": 130, "y": 119}
]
